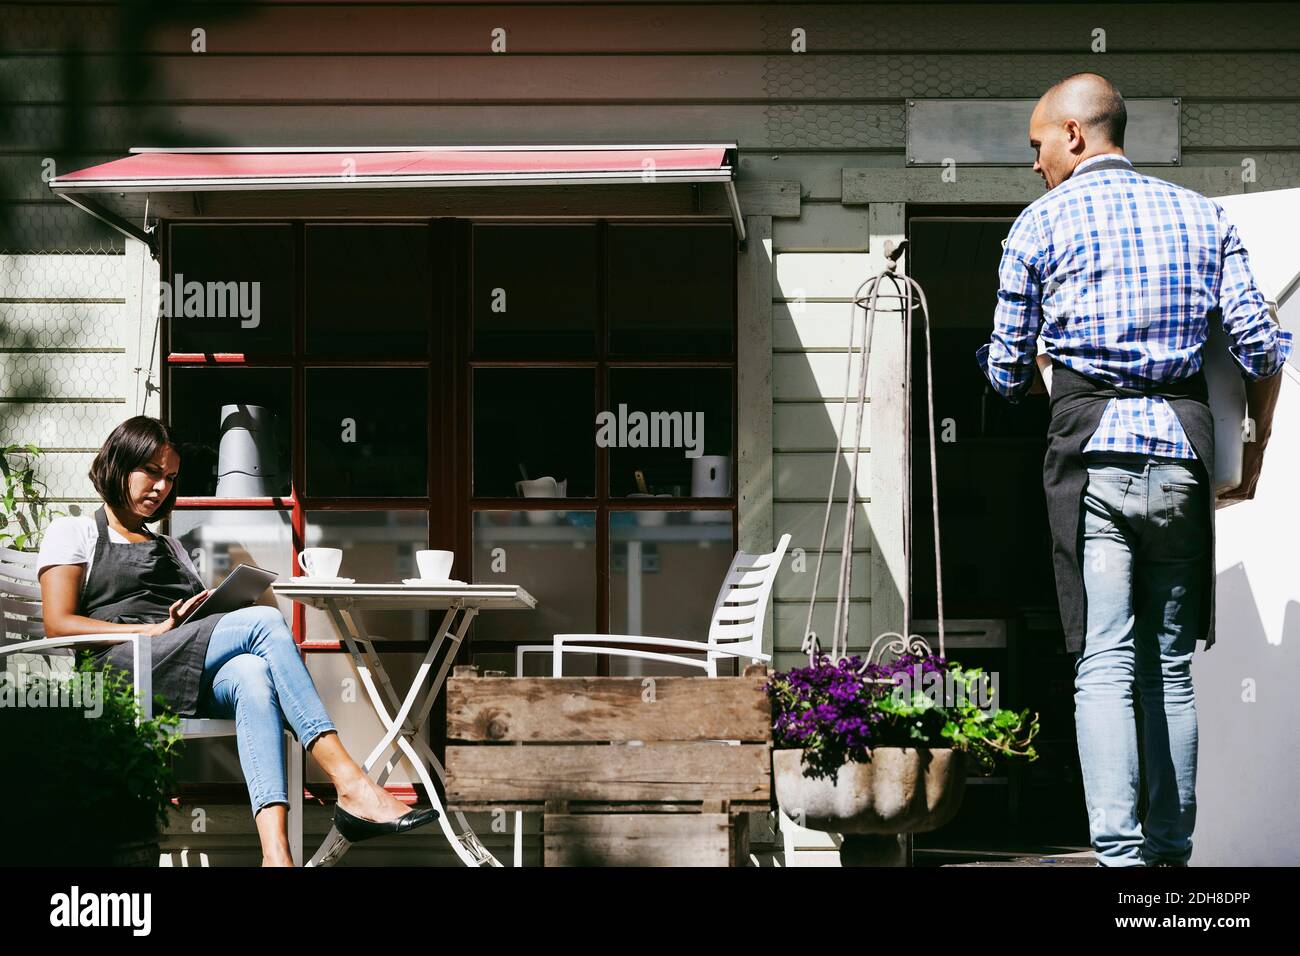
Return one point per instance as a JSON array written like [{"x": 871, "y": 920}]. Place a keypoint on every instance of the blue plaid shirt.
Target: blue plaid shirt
[{"x": 1119, "y": 273}]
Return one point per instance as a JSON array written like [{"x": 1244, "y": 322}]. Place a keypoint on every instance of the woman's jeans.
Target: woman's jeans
[
  {"x": 254, "y": 675},
  {"x": 1144, "y": 547}
]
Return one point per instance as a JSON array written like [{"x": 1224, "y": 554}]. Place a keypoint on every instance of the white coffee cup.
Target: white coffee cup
[
  {"x": 435, "y": 565},
  {"x": 321, "y": 562}
]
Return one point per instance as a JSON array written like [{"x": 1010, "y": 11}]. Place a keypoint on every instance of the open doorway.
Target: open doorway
[{"x": 1000, "y": 605}]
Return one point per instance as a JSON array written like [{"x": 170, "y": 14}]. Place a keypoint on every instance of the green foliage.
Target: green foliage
[
  {"x": 86, "y": 780},
  {"x": 985, "y": 734},
  {"x": 33, "y": 512}
]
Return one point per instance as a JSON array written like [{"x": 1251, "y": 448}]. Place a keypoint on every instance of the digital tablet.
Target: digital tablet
[{"x": 242, "y": 587}]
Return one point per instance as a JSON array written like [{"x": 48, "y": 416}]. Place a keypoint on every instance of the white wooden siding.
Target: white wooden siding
[{"x": 71, "y": 335}]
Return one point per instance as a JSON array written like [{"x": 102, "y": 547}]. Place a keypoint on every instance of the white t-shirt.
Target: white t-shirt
[{"x": 71, "y": 539}]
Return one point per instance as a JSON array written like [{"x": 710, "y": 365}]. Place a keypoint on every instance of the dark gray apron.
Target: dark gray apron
[
  {"x": 136, "y": 583},
  {"x": 1077, "y": 405}
]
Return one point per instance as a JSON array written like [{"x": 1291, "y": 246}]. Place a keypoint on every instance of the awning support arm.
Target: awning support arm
[
  {"x": 116, "y": 222},
  {"x": 734, "y": 200}
]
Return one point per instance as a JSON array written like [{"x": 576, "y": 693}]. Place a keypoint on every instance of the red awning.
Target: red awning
[
  {"x": 238, "y": 169},
  {"x": 113, "y": 191}
]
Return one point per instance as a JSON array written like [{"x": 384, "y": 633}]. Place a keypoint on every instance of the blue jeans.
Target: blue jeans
[
  {"x": 1144, "y": 548},
  {"x": 253, "y": 675}
]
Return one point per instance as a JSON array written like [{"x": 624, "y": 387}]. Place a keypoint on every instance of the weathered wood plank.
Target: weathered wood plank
[
  {"x": 533, "y": 709},
  {"x": 766, "y": 198},
  {"x": 80, "y": 425},
  {"x": 795, "y": 586},
  {"x": 823, "y": 227},
  {"x": 26, "y": 177},
  {"x": 815, "y": 325},
  {"x": 646, "y": 839},
  {"x": 54, "y": 226},
  {"x": 183, "y": 77},
  {"x": 37, "y": 130},
  {"x": 778, "y": 140},
  {"x": 812, "y": 426},
  {"x": 816, "y": 376},
  {"x": 989, "y": 184},
  {"x": 37, "y": 278},
  {"x": 59, "y": 324},
  {"x": 67, "y": 474},
  {"x": 792, "y": 618},
  {"x": 754, "y": 391},
  {"x": 825, "y": 275},
  {"x": 732, "y": 26},
  {"x": 888, "y": 451},
  {"x": 674, "y": 772},
  {"x": 39, "y": 375},
  {"x": 803, "y": 521},
  {"x": 807, "y": 475}
]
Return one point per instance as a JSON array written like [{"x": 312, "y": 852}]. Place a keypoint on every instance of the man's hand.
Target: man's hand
[
  {"x": 1261, "y": 400},
  {"x": 176, "y": 613}
]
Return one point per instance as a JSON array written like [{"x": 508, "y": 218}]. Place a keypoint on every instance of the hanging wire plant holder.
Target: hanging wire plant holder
[{"x": 908, "y": 296}]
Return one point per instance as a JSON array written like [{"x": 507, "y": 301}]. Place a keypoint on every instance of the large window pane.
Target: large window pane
[
  {"x": 367, "y": 432},
  {"x": 220, "y": 540},
  {"x": 369, "y": 290},
  {"x": 230, "y": 288},
  {"x": 235, "y": 429},
  {"x": 665, "y": 570},
  {"x": 681, "y": 441},
  {"x": 534, "y": 291},
  {"x": 377, "y": 546},
  {"x": 537, "y": 422},
  {"x": 671, "y": 289},
  {"x": 555, "y": 562}
]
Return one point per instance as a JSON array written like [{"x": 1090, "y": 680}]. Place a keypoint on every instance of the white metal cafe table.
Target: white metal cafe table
[{"x": 409, "y": 715}]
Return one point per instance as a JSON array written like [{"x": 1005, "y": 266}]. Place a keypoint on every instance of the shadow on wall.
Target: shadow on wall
[
  {"x": 98, "y": 95},
  {"x": 1247, "y": 709}
]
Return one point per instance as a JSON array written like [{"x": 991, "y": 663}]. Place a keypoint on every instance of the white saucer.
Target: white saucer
[
  {"x": 304, "y": 579},
  {"x": 430, "y": 583}
]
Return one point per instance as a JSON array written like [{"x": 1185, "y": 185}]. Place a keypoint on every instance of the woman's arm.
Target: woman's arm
[{"x": 60, "y": 589}]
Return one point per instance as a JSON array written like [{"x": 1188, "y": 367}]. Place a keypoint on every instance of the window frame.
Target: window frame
[{"x": 449, "y": 504}]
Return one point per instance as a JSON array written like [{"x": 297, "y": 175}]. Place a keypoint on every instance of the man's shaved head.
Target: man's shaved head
[
  {"x": 1091, "y": 99},
  {"x": 1079, "y": 117}
]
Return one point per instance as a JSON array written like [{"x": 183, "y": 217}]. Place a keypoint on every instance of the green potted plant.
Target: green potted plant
[
  {"x": 25, "y": 508},
  {"x": 872, "y": 751},
  {"x": 88, "y": 786}
]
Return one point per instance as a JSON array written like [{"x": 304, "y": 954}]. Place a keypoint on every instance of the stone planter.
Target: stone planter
[{"x": 899, "y": 790}]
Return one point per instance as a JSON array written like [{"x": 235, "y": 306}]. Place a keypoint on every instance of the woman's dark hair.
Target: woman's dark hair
[{"x": 130, "y": 445}]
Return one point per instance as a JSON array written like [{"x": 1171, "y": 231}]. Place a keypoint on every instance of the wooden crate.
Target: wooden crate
[{"x": 567, "y": 747}]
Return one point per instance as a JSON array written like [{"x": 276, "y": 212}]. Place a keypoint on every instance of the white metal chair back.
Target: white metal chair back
[
  {"x": 20, "y": 598},
  {"x": 741, "y": 606}
]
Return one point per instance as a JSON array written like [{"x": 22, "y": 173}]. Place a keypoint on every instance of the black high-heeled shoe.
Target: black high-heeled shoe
[{"x": 355, "y": 829}]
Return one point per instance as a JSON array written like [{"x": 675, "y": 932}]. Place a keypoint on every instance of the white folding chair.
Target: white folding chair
[
  {"x": 22, "y": 633},
  {"x": 735, "y": 631}
]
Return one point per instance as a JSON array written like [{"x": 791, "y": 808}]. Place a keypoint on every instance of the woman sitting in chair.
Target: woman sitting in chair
[{"x": 110, "y": 574}]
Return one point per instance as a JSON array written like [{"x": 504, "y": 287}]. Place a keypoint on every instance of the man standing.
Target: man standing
[{"x": 1119, "y": 273}]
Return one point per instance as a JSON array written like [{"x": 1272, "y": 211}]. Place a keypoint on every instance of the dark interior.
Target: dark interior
[{"x": 994, "y": 532}]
